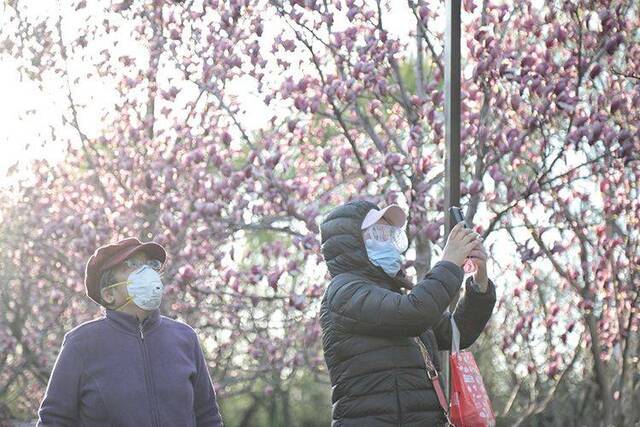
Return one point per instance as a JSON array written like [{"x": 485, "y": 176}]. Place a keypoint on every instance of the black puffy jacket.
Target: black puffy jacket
[{"x": 377, "y": 371}]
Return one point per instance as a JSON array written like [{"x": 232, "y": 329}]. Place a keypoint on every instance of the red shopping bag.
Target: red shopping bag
[{"x": 469, "y": 403}]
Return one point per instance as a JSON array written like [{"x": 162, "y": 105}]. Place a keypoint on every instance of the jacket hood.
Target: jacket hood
[
  {"x": 342, "y": 244},
  {"x": 343, "y": 247}
]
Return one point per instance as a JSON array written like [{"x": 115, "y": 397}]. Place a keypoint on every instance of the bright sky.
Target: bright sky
[
  {"x": 23, "y": 139},
  {"x": 32, "y": 115}
]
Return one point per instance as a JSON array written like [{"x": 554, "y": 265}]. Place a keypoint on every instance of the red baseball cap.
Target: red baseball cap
[{"x": 110, "y": 255}]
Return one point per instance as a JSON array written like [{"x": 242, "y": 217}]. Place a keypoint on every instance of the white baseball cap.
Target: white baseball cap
[{"x": 392, "y": 213}]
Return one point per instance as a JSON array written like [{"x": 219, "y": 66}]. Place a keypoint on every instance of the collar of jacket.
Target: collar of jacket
[
  {"x": 377, "y": 275},
  {"x": 130, "y": 323}
]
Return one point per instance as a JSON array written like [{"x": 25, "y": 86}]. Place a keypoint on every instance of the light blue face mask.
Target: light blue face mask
[{"x": 384, "y": 255}]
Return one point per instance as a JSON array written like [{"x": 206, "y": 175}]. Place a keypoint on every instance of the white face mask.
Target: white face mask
[{"x": 145, "y": 288}]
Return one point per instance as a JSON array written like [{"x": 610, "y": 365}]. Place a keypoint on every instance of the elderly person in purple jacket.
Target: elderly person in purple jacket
[{"x": 132, "y": 367}]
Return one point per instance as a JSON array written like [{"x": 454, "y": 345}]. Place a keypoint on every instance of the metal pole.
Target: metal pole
[{"x": 452, "y": 131}]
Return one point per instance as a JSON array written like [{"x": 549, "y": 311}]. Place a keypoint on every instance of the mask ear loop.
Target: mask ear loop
[
  {"x": 129, "y": 298},
  {"x": 117, "y": 284}
]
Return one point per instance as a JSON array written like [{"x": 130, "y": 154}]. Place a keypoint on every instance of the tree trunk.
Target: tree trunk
[
  {"x": 423, "y": 256},
  {"x": 250, "y": 413},
  {"x": 602, "y": 377},
  {"x": 626, "y": 415},
  {"x": 286, "y": 408}
]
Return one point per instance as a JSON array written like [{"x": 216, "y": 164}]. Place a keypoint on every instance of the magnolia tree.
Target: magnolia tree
[{"x": 354, "y": 95}]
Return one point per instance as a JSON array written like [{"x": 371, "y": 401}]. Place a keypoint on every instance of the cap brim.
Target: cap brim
[
  {"x": 392, "y": 213},
  {"x": 151, "y": 249}
]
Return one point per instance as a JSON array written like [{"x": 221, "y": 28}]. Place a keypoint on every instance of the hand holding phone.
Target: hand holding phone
[{"x": 463, "y": 242}]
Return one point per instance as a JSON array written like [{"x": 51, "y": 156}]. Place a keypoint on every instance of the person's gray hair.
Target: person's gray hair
[{"x": 106, "y": 279}]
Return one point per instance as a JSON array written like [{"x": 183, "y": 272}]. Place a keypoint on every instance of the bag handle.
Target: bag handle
[
  {"x": 433, "y": 375},
  {"x": 455, "y": 336}
]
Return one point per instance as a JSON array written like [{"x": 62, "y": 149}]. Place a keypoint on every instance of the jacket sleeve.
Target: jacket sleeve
[
  {"x": 205, "y": 405},
  {"x": 60, "y": 404},
  {"x": 471, "y": 315},
  {"x": 359, "y": 307}
]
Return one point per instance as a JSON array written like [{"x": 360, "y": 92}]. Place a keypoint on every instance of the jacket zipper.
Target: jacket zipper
[
  {"x": 147, "y": 378},
  {"x": 395, "y": 379}
]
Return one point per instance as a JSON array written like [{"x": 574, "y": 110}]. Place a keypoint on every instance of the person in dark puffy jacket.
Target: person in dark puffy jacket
[{"x": 370, "y": 326}]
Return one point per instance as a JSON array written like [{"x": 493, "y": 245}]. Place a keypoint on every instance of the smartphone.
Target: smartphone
[
  {"x": 456, "y": 214},
  {"x": 468, "y": 266}
]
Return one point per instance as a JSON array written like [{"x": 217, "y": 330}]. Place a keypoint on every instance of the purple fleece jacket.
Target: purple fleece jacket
[{"x": 115, "y": 371}]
